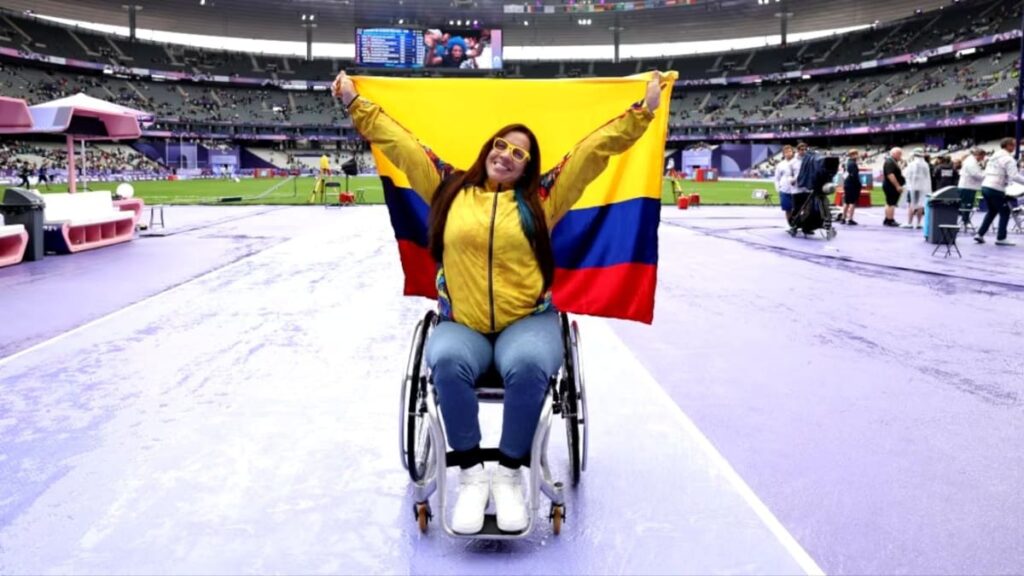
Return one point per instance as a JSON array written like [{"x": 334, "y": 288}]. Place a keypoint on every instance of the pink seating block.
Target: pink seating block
[
  {"x": 12, "y": 245},
  {"x": 134, "y": 204},
  {"x": 81, "y": 237}
]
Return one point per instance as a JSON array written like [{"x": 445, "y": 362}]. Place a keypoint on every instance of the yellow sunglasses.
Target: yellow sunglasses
[{"x": 517, "y": 153}]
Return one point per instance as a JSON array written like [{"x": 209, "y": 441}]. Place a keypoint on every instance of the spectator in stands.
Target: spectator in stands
[
  {"x": 784, "y": 181},
  {"x": 456, "y": 53},
  {"x": 436, "y": 45},
  {"x": 972, "y": 173},
  {"x": 944, "y": 174},
  {"x": 919, "y": 187},
  {"x": 892, "y": 185},
  {"x": 851, "y": 188},
  {"x": 1000, "y": 170}
]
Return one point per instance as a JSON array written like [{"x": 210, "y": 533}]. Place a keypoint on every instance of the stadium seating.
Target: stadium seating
[
  {"x": 83, "y": 221},
  {"x": 944, "y": 88}
]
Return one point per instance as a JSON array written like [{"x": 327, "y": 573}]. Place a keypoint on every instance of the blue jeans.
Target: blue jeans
[
  {"x": 526, "y": 354},
  {"x": 996, "y": 203}
]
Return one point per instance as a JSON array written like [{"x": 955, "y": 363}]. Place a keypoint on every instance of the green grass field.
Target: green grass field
[
  {"x": 735, "y": 193},
  {"x": 258, "y": 191},
  {"x": 251, "y": 190}
]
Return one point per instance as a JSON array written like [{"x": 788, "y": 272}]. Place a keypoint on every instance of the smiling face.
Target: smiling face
[{"x": 502, "y": 168}]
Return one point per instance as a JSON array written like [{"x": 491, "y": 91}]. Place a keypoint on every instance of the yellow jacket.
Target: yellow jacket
[{"x": 490, "y": 277}]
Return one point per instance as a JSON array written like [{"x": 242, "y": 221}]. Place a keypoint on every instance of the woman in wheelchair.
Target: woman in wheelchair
[{"x": 489, "y": 232}]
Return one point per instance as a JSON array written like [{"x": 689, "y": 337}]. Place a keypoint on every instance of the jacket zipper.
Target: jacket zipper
[{"x": 490, "y": 259}]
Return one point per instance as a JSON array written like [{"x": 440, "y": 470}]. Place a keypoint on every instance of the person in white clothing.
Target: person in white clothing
[
  {"x": 801, "y": 150},
  {"x": 784, "y": 180},
  {"x": 971, "y": 175},
  {"x": 798, "y": 195},
  {"x": 1000, "y": 170},
  {"x": 919, "y": 187}
]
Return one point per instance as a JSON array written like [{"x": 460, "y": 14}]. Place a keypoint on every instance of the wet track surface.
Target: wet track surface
[{"x": 241, "y": 415}]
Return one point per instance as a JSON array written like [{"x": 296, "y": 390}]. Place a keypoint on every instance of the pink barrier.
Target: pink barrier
[
  {"x": 12, "y": 245},
  {"x": 136, "y": 205},
  {"x": 63, "y": 238}
]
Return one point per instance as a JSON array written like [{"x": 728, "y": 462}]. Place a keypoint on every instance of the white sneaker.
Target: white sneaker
[
  {"x": 1004, "y": 243},
  {"x": 509, "y": 502},
  {"x": 474, "y": 490}
]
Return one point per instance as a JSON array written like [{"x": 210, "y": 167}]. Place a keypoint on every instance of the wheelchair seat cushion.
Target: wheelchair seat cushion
[{"x": 490, "y": 379}]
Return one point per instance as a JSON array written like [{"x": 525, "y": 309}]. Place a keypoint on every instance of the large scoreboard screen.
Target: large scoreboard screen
[
  {"x": 476, "y": 49},
  {"x": 390, "y": 47}
]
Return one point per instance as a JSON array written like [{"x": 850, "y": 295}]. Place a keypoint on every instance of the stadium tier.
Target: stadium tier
[{"x": 939, "y": 68}]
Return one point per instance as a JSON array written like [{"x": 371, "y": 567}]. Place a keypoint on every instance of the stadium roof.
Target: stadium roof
[{"x": 336, "y": 19}]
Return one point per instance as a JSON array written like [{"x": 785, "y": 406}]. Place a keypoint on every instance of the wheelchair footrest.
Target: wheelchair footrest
[{"x": 491, "y": 527}]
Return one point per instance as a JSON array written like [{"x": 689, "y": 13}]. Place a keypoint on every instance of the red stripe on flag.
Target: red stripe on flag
[
  {"x": 420, "y": 270},
  {"x": 598, "y": 291}
]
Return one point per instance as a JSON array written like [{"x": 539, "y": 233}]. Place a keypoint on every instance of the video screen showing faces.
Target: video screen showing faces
[{"x": 478, "y": 49}]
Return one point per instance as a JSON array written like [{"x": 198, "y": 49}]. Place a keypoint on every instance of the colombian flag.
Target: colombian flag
[{"x": 606, "y": 247}]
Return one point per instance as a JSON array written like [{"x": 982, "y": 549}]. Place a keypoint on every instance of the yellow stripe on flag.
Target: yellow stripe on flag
[{"x": 456, "y": 116}]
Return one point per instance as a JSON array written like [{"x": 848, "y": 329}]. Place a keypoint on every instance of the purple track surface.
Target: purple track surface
[{"x": 224, "y": 399}]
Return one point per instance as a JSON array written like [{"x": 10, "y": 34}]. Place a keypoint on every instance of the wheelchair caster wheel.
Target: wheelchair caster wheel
[
  {"x": 423, "y": 516},
  {"x": 556, "y": 517},
  {"x": 792, "y": 232}
]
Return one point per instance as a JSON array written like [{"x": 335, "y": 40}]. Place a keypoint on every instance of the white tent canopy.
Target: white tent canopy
[
  {"x": 82, "y": 117},
  {"x": 85, "y": 102}
]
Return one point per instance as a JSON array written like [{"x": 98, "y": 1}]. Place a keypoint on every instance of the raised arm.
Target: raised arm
[
  {"x": 423, "y": 168},
  {"x": 565, "y": 183}
]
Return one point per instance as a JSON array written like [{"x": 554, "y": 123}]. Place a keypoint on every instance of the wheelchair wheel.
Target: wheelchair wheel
[
  {"x": 413, "y": 433},
  {"x": 574, "y": 407}
]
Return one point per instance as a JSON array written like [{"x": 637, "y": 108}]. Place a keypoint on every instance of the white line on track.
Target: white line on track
[{"x": 591, "y": 329}]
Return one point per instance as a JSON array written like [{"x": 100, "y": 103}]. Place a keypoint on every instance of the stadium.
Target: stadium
[{"x": 729, "y": 286}]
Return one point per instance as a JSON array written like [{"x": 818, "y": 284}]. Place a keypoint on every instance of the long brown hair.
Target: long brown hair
[{"x": 527, "y": 186}]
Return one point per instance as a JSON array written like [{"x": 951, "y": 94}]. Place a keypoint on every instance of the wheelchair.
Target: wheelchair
[{"x": 423, "y": 444}]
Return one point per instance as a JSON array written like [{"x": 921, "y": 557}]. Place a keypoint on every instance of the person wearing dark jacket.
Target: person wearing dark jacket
[
  {"x": 892, "y": 185},
  {"x": 24, "y": 174},
  {"x": 852, "y": 187},
  {"x": 944, "y": 173},
  {"x": 43, "y": 176}
]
